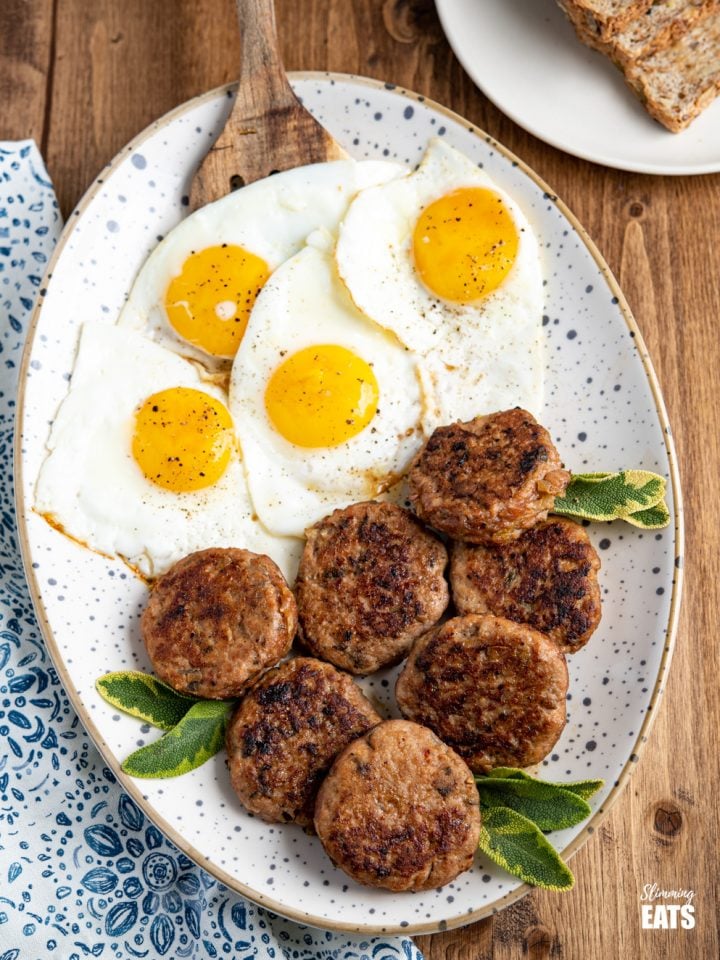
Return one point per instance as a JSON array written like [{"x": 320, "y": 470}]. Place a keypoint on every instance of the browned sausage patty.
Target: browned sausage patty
[
  {"x": 217, "y": 619},
  {"x": 546, "y": 578},
  {"x": 489, "y": 479},
  {"x": 399, "y": 810},
  {"x": 493, "y": 690},
  {"x": 287, "y": 731},
  {"x": 370, "y": 581}
]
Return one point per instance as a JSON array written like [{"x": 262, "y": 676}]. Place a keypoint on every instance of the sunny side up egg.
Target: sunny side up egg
[
  {"x": 326, "y": 403},
  {"x": 196, "y": 290},
  {"x": 448, "y": 262},
  {"x": 143, "y": 460}
]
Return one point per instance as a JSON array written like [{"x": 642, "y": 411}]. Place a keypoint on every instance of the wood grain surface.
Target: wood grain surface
[
  {"x": 268, "y": 129},
  {"x": 84, "y": 76}
]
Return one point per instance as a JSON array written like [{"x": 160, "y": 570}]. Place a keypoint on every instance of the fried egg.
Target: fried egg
[
  {"x": 143, "y": 460},
  {"x": 196, "y": 290},
  {"x": 326, "y": 403},
  {"x": 447, "y": 261}
]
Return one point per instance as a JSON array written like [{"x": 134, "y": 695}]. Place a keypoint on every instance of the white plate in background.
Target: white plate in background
[{"x": 524, "y": 55}]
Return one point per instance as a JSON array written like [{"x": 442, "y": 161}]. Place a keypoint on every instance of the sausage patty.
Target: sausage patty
[
  {"x": 287, "y": 731},
  {"x": 217, "y": 619},
  {"x": 546, "y": 578},
  {"x": 493, "y": 690},
  {"x": 399, "y": 810},
  {"x": 489, "y": 479},
  {"x": 370, "y": 581}
]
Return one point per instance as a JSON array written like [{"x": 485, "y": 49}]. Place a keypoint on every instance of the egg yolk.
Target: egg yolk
[
  {"x": 209, "y": 302},
  {"x": 183, "y": 439},
  {"x": 464, "y": 244},
  {"x": 321, "y": 396}
]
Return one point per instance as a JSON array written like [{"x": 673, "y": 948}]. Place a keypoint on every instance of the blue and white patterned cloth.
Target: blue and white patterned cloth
[{"x": 82, "y": 870}]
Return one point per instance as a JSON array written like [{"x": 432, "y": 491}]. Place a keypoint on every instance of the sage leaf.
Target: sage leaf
[
  {"x": 196, "y": 738},
  {"x": 582, "y": 788},
  {"x": 654, "y": 518},
  {"x": 144, "y": 696},
  {"x": 548, "y": 806},
  {"x": 613, "y": 496},
  {"x": 507, "y": 772},
  {"x": 518, "y": 846}
]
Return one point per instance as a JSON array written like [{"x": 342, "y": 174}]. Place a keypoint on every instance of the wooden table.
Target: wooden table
[{"x": 84, "y": 76}]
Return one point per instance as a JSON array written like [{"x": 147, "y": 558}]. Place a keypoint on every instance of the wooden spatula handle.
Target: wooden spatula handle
[
  {"x": 264, "y": 86},
  {"x": 268, "y": 129}
]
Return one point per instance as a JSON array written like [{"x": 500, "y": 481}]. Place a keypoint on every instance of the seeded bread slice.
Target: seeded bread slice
[
  {"x": 601, "y": 19},
  {"x": 658, "y": 28},
  {"x": 678, "y": 83},
  {"x": 664, "y": 23}
]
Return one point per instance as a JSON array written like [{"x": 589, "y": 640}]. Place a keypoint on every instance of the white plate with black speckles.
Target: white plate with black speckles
[
  {"x": 604, "y": 410},
  {"x": 524, "y": 55}
]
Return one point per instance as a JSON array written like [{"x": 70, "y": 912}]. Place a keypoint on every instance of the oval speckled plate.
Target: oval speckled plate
[{"x": 604, "y": 410}]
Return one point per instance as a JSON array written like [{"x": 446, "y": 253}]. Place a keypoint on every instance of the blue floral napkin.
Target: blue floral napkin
[{"x": 82, "y": 871}]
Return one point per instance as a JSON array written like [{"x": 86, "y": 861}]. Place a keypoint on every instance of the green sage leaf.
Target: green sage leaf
[
  {"x": 612, "y": 496},
  {"x": 582, "y": 788},
  {"x": 196, "y": 738},
  {"x": 506, "y": 772},
  {"x": 548, "y": 806},
  {"x": 654, "y": 518},
  {"x": 144, "y": 696},
  {"x": 518, "y": 846}
]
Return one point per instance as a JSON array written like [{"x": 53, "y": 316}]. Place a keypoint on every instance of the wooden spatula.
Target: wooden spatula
[{"x": 268, "y": 129}]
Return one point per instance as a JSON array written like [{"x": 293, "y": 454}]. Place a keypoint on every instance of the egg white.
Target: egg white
[
  {"x": 91, "y": 486},
  {"x": 270, "y": 218},
  {"x": 473, "y": 358},
  {"x": 305, "y": 304}
]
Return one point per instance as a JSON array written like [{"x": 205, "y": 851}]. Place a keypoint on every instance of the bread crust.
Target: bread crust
[
  {"x": 668, "y": 51},
  {"x": 678, "y": 83},
  {"x": 660, "y": 28},
  {"x": 602, "y": 18}
]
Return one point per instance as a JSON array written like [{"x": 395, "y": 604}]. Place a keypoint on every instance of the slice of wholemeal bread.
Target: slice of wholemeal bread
[
  {"x": 664, "y": 23},
  {"x": 660, "y": 26},
  {"x": 601, "y": 19},
  {"x": 669, "y": 54},
  {"x": 676, "y": 84}
]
